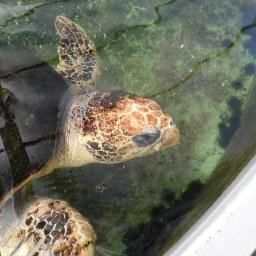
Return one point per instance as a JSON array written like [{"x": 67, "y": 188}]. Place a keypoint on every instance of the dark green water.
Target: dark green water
[{"x": 197, "y": 59}]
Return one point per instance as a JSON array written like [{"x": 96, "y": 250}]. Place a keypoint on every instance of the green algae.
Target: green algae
[{"x": 184, "y": 54}]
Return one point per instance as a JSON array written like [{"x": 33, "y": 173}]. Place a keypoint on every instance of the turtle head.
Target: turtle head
[{"x": 116, "y": 127}]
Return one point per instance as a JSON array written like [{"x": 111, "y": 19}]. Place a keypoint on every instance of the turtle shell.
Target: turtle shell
[{"x": 30, "y": 96}]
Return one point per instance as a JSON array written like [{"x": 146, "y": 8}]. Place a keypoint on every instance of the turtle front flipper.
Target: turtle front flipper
[
  {"x": 50, "y": 227},
  {"x": 77, "y": 54}
]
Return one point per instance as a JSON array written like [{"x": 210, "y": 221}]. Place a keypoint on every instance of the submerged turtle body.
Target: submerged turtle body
[
  {"x": 93, "y": 127},
  {"x": 28, "y": 116}
]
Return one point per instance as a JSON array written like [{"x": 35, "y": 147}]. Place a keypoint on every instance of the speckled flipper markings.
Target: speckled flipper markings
[
  {"x": 77, "y": 54},
  {"x": 50, "y": 227}
]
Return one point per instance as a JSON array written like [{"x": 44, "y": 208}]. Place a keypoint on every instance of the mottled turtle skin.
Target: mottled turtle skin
[
  {"x": 94, "y": 127},
  {"x": 51, "y": 227},
  {"x": 114, "y": 127}
]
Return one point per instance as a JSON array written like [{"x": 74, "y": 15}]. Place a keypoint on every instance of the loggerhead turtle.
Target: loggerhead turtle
[{"x": 94, "y": 127}]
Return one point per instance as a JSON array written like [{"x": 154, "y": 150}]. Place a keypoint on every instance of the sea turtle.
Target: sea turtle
[{"x": 94, "y": 127}]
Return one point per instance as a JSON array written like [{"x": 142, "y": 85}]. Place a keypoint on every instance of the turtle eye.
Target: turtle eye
[
  {"x": 146, "y": 139},
  {"x": 172, "y": 123}
]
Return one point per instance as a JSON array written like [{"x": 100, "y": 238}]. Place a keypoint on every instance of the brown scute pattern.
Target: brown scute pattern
[
  {"x": 77, "y": 54},
  {"x": 110, "y": 120},
  {"x": 104, "y": 122},
  {"x": 51, "y": 227}
]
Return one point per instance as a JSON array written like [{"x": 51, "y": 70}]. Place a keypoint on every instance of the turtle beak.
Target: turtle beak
[{"x": 170, "y": 137}]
